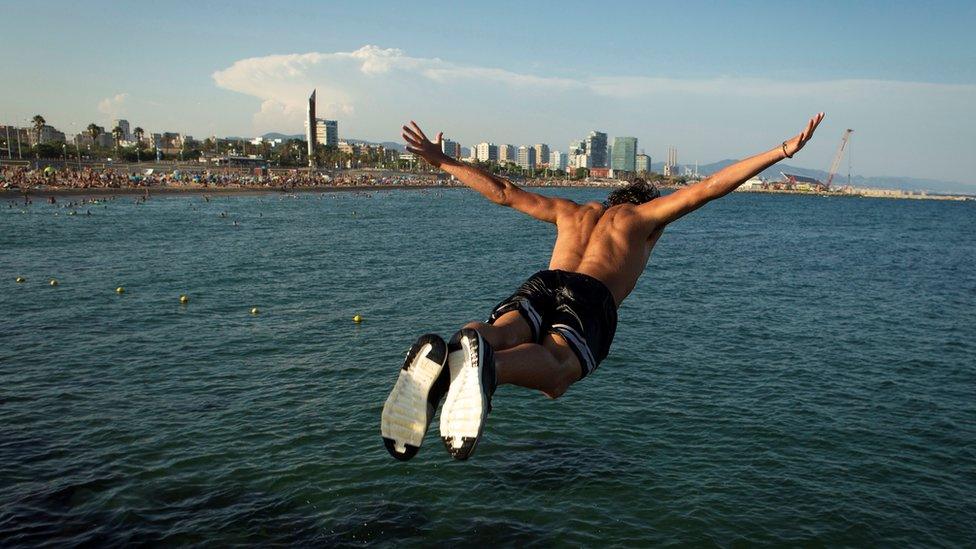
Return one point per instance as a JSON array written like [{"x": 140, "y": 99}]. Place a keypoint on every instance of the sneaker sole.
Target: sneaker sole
[
  {"x": 466, "y": 405},
  {"x": 407, "y": 413}
]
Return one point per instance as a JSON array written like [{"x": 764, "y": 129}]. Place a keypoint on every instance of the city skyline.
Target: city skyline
[{"x": 665, "y": 76}]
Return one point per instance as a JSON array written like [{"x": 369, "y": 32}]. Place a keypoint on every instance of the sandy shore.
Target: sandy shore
[
  {"x": 229, "y": 191},
  {"x": 216, "y": 191}
]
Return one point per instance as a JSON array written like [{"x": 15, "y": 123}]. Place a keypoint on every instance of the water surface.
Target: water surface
[{"x": 790, "y": 370}]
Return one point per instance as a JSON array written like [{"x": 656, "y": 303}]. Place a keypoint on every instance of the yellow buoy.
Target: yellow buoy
[
  {"x": 120, "y": 290},
  {"x": 184, "y": 299},
  {"x": 54, "y": 282},
  {"x": 254, "y": 310},
  {"x": 21, "y": 280},
  {"x": 357, "y": 319}
]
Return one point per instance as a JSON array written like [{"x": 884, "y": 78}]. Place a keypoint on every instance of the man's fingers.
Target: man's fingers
[
  {"x": 440, "y": 136},
  {"x": 820, "y": 118},
  {"x": 409, "y": 131},
  {"x": 812, "y": 126},
  {"x": 411, "y": 137},
  {"x": 815, "y": 121},
  {"x": 419, "y": 131}
]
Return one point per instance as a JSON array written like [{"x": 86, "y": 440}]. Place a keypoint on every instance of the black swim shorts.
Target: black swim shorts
[{"x": 576, "y": 306}]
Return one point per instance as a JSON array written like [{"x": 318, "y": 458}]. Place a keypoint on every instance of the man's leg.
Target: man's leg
[
  {"x": 506, "y": 332},
  {"x": 550, "y": 367}
]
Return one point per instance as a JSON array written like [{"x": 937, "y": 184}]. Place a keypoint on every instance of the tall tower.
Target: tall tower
[
  {"x": 671, "y": 165},
  {"x": 310, "y": 133}
]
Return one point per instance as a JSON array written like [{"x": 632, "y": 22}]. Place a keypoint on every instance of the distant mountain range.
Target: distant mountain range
[{"x": 886, "y": 182}]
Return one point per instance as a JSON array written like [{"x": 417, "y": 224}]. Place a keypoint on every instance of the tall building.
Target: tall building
[
  {"x": 596, "y": 148},
  {"x": 105, "y": 140},
  {"x": 624, "y": 156},
  {"x": 580, "y": 161},
  {"x": 526, "y": 157},
  {"x": 486, "y": 152},
  {"x": 557, "y": 161},
  {"x": 642, "y": 163},
  {"x": 124, "y": 124},
  {"x": 15, "y": 137},
  {"x": 576, "y": 147},
  {"x": 541, "y": 153},
  {"x": 327, "y": 132},
  {"x": 47, "y": 134},
  {"x": 451, "y": 148},
  {"x": 310, "y": 134},
  {"x": 506, "y": 153},
  {"x": 671, "y": 164}
]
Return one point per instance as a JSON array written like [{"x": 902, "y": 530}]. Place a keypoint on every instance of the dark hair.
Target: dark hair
[{"x": 637, "y": 192}]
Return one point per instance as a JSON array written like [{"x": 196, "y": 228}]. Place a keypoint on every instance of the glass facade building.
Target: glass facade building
[{"x": 624, "y": 154}]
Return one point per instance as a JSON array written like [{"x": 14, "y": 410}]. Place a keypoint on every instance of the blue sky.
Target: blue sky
[{"x": 712, "y": 79}]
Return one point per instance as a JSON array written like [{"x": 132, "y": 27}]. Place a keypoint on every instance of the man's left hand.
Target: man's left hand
[{"x": 418, "y": 144}]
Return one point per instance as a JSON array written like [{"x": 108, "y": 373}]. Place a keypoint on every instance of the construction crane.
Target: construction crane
[{"x": 840, "y": 156}]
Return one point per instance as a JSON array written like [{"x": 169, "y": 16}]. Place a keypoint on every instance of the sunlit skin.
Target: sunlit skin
[{"x": 611, "y": 244}]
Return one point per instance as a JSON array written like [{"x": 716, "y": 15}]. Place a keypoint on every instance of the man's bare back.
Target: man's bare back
[
  {"x": 559, "y": 324},
  {"x": 610, "y": 244}
]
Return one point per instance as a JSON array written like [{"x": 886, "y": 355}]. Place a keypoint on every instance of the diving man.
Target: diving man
[{"x": 558, "y": 326}]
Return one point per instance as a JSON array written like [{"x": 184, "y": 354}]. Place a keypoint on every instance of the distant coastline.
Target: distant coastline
[{"x": 177, "y": 190}]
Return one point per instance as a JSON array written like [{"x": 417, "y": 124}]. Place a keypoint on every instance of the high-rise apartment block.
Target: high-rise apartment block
[
  {"x": 526, "y": 157},
  {"x": 486, "y": 152},
  {"x": 596, "y": 148},
  {"x": 541, "y": 153},
  {"x": 451, "y": 148},
  {"x": 124, "y": 124},
  {"x": 506, "y": 153},
  {"x": 327, "y": 132},
  {"x": 642, "y": 163},
  {"x": 557, "y": 161},
  {"x": 577, "y": 161}
]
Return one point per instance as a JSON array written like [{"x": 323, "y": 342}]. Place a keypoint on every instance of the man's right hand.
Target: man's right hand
[
  {"x": 418, "y": 144},
  {"x": 793, "y": 145}
]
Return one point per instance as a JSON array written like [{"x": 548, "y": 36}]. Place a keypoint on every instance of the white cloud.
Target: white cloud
[
  {"x": 115, "y": 106},
  {"x": 372, "y": 90}
]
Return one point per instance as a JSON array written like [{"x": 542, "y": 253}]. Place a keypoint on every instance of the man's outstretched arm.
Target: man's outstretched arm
[
  {"x": 668, "y": 208},
  {"x": 498, "y": 190}
]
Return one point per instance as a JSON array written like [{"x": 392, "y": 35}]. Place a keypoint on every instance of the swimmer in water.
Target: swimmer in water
[{"x": 558, "y": 326}]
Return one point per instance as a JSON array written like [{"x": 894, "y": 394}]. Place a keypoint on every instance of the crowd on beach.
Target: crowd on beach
[
  {"x": 49, "y": 178},
  {"x": 23, "y": 178}
]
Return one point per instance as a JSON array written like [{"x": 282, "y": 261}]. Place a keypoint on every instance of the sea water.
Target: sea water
[{"x": 789, "y": 370}]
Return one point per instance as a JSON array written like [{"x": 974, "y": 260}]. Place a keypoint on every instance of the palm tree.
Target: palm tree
[
  {"x": 94, "y": 130},
  {"x": 138, "y": 133},
  {"x": 117, "y": 134},
  {"x": 39, "y": 123}
]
